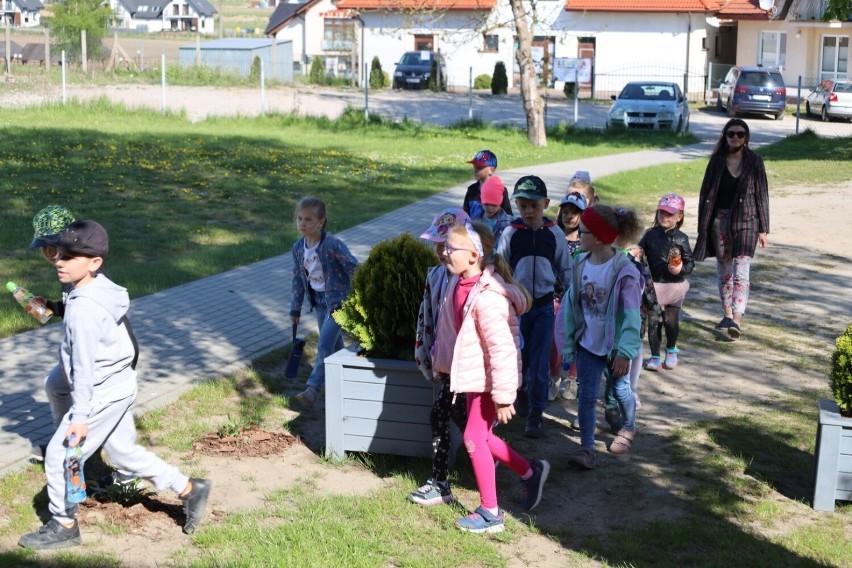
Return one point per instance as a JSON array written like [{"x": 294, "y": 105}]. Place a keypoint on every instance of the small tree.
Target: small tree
[
  {"x": 254, "y": 73},
  {"x": 71, "y": 17},
  {"x": 838, "y": 10},
  {"x": 377, "y": 76},
  {"x": 500, "y": 81},
  {"x": 436, "y": 81},
  {"x": 381, "y": 311},
  {"x": 482, "y": 81},
  {"x": 569, "y": 89},
  {"x": 841, "y": 372},
  {"x": 317, "y": 73}
]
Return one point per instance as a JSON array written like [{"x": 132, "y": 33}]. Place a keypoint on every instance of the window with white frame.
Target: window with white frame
[
  {"x": 835, "y": 57},
  {"x": 773, "y": 49}
]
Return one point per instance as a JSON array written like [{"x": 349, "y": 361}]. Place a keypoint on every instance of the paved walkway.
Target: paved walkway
[{"x": 216, "y": 325}]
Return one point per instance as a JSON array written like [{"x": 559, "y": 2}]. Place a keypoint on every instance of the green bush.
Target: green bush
[
  {"x": 377, "y": 76},
  {"x": 317, "y": 73},
  {"x": 436, "y": 82},
  {"x": 568, "y": 89},
  {"x": 482, "y": 82},
  {"x": 499, "y": 82},
  {"x": 381, "y": 311},
  {"x": 254, "y": 73},
  {"x": 841, "y": 372}
]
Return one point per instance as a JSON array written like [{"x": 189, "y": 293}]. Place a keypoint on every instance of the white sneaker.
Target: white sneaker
[
  {"x": 554, "y": 389},
  {"x": 566, "y": 392},
  {"x": 309, "y": 396}
]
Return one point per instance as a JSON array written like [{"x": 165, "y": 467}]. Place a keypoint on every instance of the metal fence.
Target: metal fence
[{"x": 608, "y": 82}]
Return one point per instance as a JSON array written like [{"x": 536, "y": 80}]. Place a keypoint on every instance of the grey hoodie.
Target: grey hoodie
[{"x": 97, "y": 351}]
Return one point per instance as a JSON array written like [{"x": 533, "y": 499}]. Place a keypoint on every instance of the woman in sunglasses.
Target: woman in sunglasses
[{"x": 733, "y": 219}]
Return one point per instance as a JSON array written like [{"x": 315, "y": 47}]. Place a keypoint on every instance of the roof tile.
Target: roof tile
[
  {"x": 408, "y": 5},
  {"x": 642, "y": 5}
]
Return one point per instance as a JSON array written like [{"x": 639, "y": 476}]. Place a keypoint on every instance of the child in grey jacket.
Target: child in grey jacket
[{"x": 98, "y": 358}]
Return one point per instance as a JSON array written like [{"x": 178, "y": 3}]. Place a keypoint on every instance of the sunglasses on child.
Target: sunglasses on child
[{"x": 735, "y": 133}]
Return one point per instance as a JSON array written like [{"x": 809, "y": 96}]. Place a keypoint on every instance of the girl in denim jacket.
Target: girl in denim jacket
[{"x": 322, "y": 268}]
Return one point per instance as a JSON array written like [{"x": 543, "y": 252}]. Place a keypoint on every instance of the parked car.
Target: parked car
[
  {"x": 753, "y": 89},
  {"x": 649, "y": 105},
  {"x": 415, "y": 68},
  {"x": 831, "y": 99}
]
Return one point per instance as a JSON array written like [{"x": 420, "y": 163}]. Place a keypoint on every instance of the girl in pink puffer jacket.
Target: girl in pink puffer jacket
[{"x": 483, "y": 334}]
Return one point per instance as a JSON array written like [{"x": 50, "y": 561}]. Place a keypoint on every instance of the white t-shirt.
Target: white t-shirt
[
  {"x": 594, "y": 297},
  {"x": 313, "y": 267}
]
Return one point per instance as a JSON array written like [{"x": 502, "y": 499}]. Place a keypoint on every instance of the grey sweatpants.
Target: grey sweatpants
[{"x": 112, "y": 426}]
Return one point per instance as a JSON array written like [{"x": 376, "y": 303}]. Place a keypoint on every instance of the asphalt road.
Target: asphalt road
[{"x": 447, "y": 108}]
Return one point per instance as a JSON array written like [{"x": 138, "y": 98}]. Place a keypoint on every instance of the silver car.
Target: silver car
[
  {"x": 649, "y": 105},
  {"x": 831, "y": 99}
]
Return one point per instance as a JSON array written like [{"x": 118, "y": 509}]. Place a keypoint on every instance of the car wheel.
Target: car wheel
[
  {"x": 679, "y": 128},
  {"x": 808, "y": 109},
  {"x": 825, "y": 117},
  {"x": 731, "y": 112},
  {"x": 719, "y": 106}
]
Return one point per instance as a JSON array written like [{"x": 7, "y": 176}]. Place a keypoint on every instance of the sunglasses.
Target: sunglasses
[
  {"x": 735, "y": 133},
  {"x": 448, "y": 250}
]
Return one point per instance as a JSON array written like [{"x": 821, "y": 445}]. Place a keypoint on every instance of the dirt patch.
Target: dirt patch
[{"x": 252, "y": 442}]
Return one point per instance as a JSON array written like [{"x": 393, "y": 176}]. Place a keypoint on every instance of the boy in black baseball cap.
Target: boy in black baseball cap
[{"x": 98, "y": 359}]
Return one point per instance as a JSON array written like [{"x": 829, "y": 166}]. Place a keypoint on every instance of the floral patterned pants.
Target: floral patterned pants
[
  {"x": 445, "y": 408},
  {"x": 732, "y": 273}
]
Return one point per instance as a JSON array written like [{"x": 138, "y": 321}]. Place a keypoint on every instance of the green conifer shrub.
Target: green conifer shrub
[
  {"x": 377, "y": 76},
  {"x": 381, "y": 311},
  {"x": 841, "y": 372},
  {"x": 254, "y": 72},
  {"x": 499, "y": 81},
  {"x": 436, "y": 82},
  {"x": 317, "y": 73}
]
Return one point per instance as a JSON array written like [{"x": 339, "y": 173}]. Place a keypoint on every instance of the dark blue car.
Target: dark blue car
[
  {"x": 415, "y": 68},
  {"x": 752, "y": 89}
]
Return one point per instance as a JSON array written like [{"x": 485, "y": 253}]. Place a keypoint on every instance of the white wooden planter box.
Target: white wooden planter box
[
  {"x": 376, "y": 405},
  {"x": 832, "y": 458}
]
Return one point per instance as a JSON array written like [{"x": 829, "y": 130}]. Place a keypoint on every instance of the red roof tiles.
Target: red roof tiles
[
  {"x": 642, "y": 5},
  {"x": 406, "y": 5},
  {"x": 744, "y": 10}
]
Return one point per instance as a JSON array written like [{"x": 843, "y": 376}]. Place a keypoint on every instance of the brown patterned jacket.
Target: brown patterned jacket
[{"x": 749, "y": 210}]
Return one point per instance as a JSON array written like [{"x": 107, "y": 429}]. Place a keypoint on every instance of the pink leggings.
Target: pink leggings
[{"x": 484, "y": 448}]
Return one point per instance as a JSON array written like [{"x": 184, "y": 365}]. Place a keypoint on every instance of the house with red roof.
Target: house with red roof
[
  {"x": 791, "y": 35},
  {"x": 692, "y": 42}
]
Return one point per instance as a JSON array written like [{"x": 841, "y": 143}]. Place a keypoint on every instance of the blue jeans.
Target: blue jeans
[
  {"x": 624, "y": 403},
  {"x": 330, "y": 341},
  {"x": 537, "y": 332},
  {"x": 589, "y": 369}
]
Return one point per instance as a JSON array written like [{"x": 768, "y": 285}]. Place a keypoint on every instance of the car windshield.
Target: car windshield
[
  {"x": 415, "y": 58},
  {"x": 760, "y": 79},
  {"x": 642, "y": 91}
]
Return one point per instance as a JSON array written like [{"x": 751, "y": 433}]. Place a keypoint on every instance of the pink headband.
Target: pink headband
[{"x": 598, "y": 227}]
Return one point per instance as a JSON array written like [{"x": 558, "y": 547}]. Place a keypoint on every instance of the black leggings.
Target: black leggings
[
  {"x": 443, "y": 411},
  {"x": 671, "y": 321}
]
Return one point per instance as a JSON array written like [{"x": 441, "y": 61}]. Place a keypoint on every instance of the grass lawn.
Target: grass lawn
[{"x": 182, "y": 201}]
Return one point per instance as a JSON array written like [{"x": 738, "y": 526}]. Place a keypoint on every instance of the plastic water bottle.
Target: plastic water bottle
[
  {"x": 32, "y": 305},
  {"x": 75, "y": 483}
]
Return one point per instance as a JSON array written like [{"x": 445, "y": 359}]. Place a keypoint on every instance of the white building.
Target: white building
[{"x": 159, "y": 16}]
